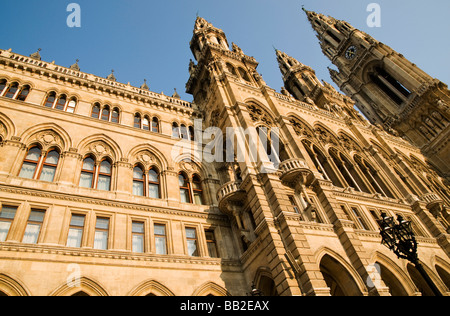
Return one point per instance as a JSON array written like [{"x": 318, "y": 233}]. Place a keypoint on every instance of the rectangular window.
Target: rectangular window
[
  {"x": 211, "y": 243},
  {"x": 7, "y": 215},
  {"x": 101, "y": 234},
  {"x": 359, "y": 218},
  {"x": 138, "y": 237},
  {"x": 191, "y": 239},
  {"x": 76, "y": 228},
  {"x": 160, "y": 239},
  {"x": 294, "y": 204},
  {"x": 34, "y": 226}
]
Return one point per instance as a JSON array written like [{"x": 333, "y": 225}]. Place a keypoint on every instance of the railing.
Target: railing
[
  {"x": 292, "y": 164},
  {"x": 228, "y": 189},
  {"x": 431, "y": 198}
]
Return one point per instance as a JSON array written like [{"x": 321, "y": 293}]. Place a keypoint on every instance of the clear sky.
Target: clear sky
[{"x": 150, "y": 39}]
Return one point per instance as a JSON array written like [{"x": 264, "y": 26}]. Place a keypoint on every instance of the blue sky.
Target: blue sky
[{"x": 150, "y": 39}]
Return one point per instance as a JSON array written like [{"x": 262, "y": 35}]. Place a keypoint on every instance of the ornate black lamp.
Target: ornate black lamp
[{"x": 399, "y": 237}]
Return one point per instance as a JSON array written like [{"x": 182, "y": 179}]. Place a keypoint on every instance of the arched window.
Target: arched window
[
  {"x": 197, "y": 190},
  {"x": 175, "y": 130},
  {"x": 191, "y": 133},
  {"x": 374, "y": 178},
  {"x": 2, "y": 85},
  {"x": 243, "y": 74},
  {"x": 115, "y": 116},
  {"x": 61, "y": 103},
  {"x": 23, "y": 93},
  {"x": 138, "y": 181},
  {"x": 146, "y": 123},
  {"x": 185, "y": 192},
  {"x": 30, "y": 163},
  {"x": 231, "y": 69},
  {"x": 105, "y": 113},
  {"x": 155, "y": 125},
  {"x": 153, "y": 183},
  {"x": 71, "y": 105},
  {"x": 38, "y": 166},
  {"x": 406, "y": 181},
  {"x": 50, "y": 101},
  {"x": 11, "y": 91},
  {"x": 137, "y": 120},
  {"x": 96, "y": 111},
  {"x": 104, "y": 176},
  {"x": 184, "y": 132},
  {"x": 49, "y": 166},
  {"x": 96, "y": 176},
  {"x": 88, "y": 173}
]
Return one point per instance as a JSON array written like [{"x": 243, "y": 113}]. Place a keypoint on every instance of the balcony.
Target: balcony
[
  {"x": 294, "y": 170},
  {"x": 432, "y": 199},
  {"x": 232, "y": 193}
]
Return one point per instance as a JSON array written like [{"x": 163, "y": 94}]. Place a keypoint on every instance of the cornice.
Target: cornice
[
  {"x": 116, "y": 255},
  {"x": 111, "y": 203},
  {"x": 66, "y": 75}
]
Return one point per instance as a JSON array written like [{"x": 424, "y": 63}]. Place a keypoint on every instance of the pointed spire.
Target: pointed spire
[
  {"x": 175, "y": 94},
  {"x": 144, "y": 85},
  {"x": 75, "y": 66},
  {"x": 36, "y": 55},
  {"x": 111, "y": 76}
]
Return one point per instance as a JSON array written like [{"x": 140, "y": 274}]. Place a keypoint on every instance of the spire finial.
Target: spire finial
[
  {"x": 111, "y": 76},
  {"x": 144, "y": 85},
  {"x": 36, "y": 55},
  {"x": 75, "y": 66}
]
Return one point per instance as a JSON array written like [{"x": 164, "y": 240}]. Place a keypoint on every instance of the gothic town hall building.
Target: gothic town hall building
[{"x": 95, "y": 202}]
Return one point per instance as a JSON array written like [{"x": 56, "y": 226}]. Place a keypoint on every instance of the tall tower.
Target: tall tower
[
  {"x": 390, "y": 90},
  {"x": 302, "y": 83}
]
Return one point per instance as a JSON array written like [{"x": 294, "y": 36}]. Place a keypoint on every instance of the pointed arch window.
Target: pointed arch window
[
  {"x": 50, "y": 101},
  {"x": 146, "y": 123},
  {"x": 185, "y": 191},
  {"x": 153, "y": 183},
  {"x": 61, "y": 103},
  {"x": 155, "y": 125},
  {"x": 137, "y": 120},
  {"x": 96, "y": 111},
  {"x": 184, "y": 132},
  {"x": 105, "y": 113},
  {"x": 104, "y": 176},
  {"x": 71, "y": 105},
  {"x": 23, "y": 93},
  {"x": 30, "y": 163},
  {"x": 197, "y": 190},
  {"x": 96, "y": 176},
  {"x": 175, "y": 130},
  {"x": 3, "y": 83},
  {"x": 87, "y": 173},
  {"x": 138, "y": 181},
  {"x": 38, "y": 166},
  {"x": 115, "y": 116},
  {"x": 48, "y": 171},
  {"x": 191, "y": 133},
  {"x": 11, "y": 91}
]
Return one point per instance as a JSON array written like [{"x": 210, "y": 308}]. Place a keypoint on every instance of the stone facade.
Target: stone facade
[
  {"x": 390, "y": 90},
  {"x": 96, "y": 201}
]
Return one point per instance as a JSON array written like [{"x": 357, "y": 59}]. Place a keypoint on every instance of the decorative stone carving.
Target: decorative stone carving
[
  {"x": 300, "y": 128},
  {"x": 146, "y": 158},
  {"x": 101, "y": 149},
  {"x": 49, "y": 139},
  {"x": 189, "y": 167},
  {"x": 324, "y": 136},
  {"x": 259, "y": 115}
]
